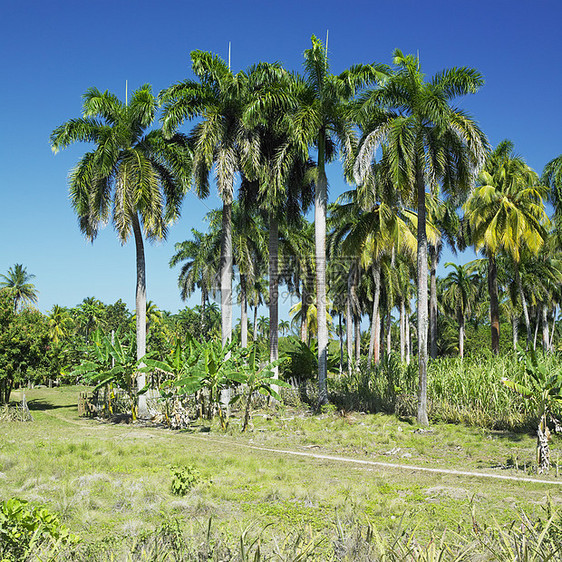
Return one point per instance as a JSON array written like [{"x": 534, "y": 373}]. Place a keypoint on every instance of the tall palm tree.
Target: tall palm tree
[
  {"x": 136, "y": 177},
  {"x": 506, "y": 213},
  {"x": 460, "y": 288},
  {"x": 220, "y": 142},
  {"x": 278, "y": 182},
  {"x": 428, "y": 142},
  {"x": 17, "y": 284},
  {"x": 325, "y": 120}
]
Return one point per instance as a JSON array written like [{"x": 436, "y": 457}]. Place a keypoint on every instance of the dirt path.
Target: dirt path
[{"x": 379, "y": 464}]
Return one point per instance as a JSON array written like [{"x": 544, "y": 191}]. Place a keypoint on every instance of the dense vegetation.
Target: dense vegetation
[{"x": 480, "y": 347}]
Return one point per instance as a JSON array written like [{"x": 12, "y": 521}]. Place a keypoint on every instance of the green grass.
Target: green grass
[{"x": 111, "y": 484}]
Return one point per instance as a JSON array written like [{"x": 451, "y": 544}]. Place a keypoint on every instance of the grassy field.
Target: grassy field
[{"x": 111, "y": 483}]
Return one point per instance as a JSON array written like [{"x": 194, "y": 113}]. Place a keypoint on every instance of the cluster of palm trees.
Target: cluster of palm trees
[{"x": 411, "y": 155}]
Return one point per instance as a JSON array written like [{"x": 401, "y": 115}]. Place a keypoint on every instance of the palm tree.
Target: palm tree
[
  {"x": 459, "y": 291},
  {"x": 17, "y": 284},
  {"x": 60, "y": 323},
  {"x": 324, "y": 120},
  {"x": 137, "y": 177},
  {"x": 506, "y": 213},
  {"x": 198, "y": 269},
  {"x": 220, "y": 141},
  {"x": 428, "y": 142}
]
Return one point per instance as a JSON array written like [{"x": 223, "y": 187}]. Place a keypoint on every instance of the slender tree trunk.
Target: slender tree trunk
[
  {"x": 357, "y": 320},
  {"x": 523, "y": 302},
  {"x": 140, "y": 310},
  {"x": 376, "y": 298},
  {"x": 494, "y": 304},
  {"x": 304, "y": 313},
  {"x": 255, "y": 323},
  {"x": 203, "y": 308},
  {"x": 320, "y": 208},
  {"x": 243, "y": 312},
  {"x": 408, "y": 341},
  {"x": 274, "y": 292},
  {"x": 544, "y": 327},
  {"x": 551, "y": 340},
  {"x": 402, "y": 330},
  {"x": 422, "y": 299},
  {"x": 377, "y": 348},
  {"x": 349, "y": 322},
  {"x": 388, "y": 330},
  {"x": 461, "y": 334},
  {"x": 537, "y": 328},
  {"x": 341, "y": 342},
  {"x": 515, "y": 330},
  {"x": 433, "y": 301},
  {"x": 226, "y": 273}
]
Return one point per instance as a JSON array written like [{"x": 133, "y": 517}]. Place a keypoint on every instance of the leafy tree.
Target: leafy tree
[
  {"x": 141, "y": 175},
  {"x": 17, "y": 284},
  {"x": 24, "y": 339},
  {"x": 427, "y": 142}
]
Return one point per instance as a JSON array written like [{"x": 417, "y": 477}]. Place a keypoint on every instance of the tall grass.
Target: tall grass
[{"x": 465, "y": 391}]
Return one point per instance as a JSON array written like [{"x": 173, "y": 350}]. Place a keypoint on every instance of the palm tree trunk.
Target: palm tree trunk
[
  {"x": 349, "y": 322},
  {"x": 388, "y": 330},
  {"x": 255, "y": 323},
  {"x": 357, "y": 320},
  {"x": 376, "y": 298},
  {"x": 523, "y": 302},
  {"x": 320, "y": 209},
  {"x": 494, "y": 304},
  {"x": 544, "y": 327},
  {"x": 304, "y": 314},
  {"x": 408, "y": 341},
  {"x": 341, "y": 342},
  {"x": 402, "y": 330},
  {"x": 274, "y": 292},
  {"x": 422, "y": 299},
  {"x": 226, "y": 273},
  {"x": 433, "y": 301},
  {"x": 243, "y": 312},
  {"x": 203, "y": 308},
  {"x": 140, "y": 309},
  {"x": 461, "y": 335},
  {"x": 377, "y": 348},
  {"x": 537, "y": 328},
  {"x": 551, "y": 339},
  {"x": 515, "y": 330}
]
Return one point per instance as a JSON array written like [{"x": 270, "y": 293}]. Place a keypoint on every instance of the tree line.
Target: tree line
[{"x": 412, "y": 157}]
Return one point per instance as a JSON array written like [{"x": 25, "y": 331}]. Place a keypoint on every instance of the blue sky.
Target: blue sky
[{"x": 53, "y": 51}]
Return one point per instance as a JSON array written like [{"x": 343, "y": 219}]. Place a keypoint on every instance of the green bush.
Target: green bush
[{"x": 25, "y": 528}]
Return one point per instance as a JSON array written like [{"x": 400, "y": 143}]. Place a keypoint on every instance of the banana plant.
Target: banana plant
[
  {"x": 255, "y": 378},
  {"x": 111, "y": 362},
  {"x": 542, "y": 390}
]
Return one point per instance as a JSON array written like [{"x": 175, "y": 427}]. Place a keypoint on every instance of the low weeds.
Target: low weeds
[{"x": 522, "y": 540}]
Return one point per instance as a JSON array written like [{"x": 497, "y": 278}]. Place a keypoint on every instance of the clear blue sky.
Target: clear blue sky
[{"x": 53, "y": 51}]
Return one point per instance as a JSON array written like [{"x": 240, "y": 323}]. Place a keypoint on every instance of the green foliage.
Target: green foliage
[
  {"x": 255, "y": 378},
  {"x": 541, "y": 388},
  {"x": 25, "y": 528},
  {"x": 24, "y": 339},
  {"x": 184, "y": 478},
  {"x": 302, "y": 364},
  {"x": 112, "y": 363}
]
